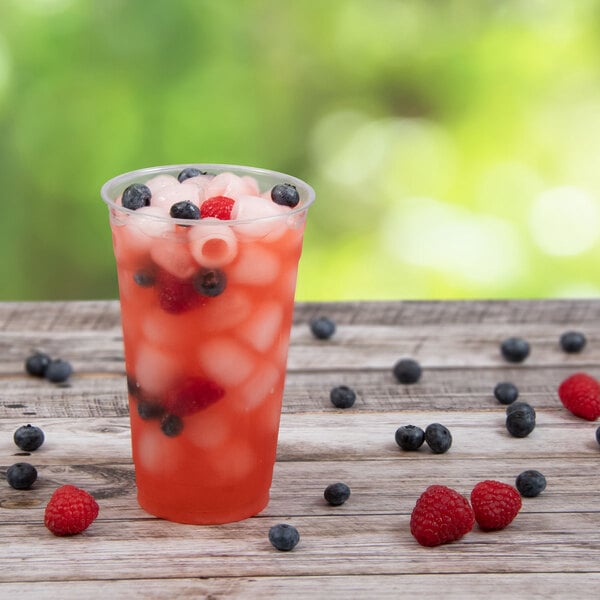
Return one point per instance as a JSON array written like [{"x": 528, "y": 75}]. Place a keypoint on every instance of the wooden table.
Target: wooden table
[{"x": 363, "y": 549}]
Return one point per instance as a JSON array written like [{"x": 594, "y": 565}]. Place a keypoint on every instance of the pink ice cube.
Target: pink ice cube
[
  {"x": 213, "y": 244},
  {"x": 178, "y": 192}
]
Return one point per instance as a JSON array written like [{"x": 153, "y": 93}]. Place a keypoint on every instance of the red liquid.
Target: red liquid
[{"x": 219, "y": 467}]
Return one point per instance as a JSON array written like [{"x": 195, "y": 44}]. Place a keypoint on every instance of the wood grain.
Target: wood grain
[{"x": 361, "y": 549}]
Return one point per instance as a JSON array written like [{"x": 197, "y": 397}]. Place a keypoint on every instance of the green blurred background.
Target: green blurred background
[{"x": 454, "y": 145}]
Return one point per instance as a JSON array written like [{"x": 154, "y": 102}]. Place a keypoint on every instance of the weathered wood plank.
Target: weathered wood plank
[{"x": 455, "y": 587}]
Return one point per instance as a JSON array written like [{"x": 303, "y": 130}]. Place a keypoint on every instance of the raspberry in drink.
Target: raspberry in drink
[{"x": 207, "y": 299}]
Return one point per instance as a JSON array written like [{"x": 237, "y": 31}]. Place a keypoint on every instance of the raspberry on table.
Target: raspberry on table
[
  {"x": 28, "y": 437},
  {"x": 438, "y": 438},
  {"x": 342, "y": 396},
  {"x": 506, "y": 392},
  {"x": 441, "y": 515},
  {"x": 530, "y": 483},
  {"x": 407, "y": 370},
  {"x": 322, "y": 328},
  {"x": 515, "y": 349},
  {"x": 284, "y": 537},
  {"x": 21, "y": 476},
  {"x": 580, "y": 395},
  {"x": 70, "y": 510},
  {"x": 409, "y": 437},
  {"x": 495, "y": 504},
  {"x": 336, "y": 494},
  {"x": 520, "y": 419},
  {"x": 572, "y": 341}
]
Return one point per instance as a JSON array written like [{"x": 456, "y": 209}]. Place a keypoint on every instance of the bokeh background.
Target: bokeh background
[{"x": 454, "y": 145}]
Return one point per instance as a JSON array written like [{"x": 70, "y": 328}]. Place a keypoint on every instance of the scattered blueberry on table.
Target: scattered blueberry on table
[
  {"x": 21, "y": 476},
  {"x": 37, "y": 363},
  {"x": 506, "y": 392},
  {"x": 322, "y": 328},
  {"x": 407, "y": 370},
  {"x": 409, "y": 437},
  {"x": 438, "y": 438},
  {"x": 284, "y": 537},
  {"x": 336, "y": 494},
  {"x": 530, "y": 483},
  {"x": 520, "y": 419},
  {"x": 572, "y": 341},
  {"x": 342, "y": 396},
  {"x": 28, "y": 437},
  {"x": 515, "y": 349}
]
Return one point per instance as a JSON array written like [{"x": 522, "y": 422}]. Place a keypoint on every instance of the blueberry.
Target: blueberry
[
  {"x": 530, "y": 483},
  {"x": 150, "y": 410},
  {"x": 520, "y": 419},
  {"x": 515, "y": 349},
  {"x": 285, "y": 194},
  {"x": 136, "y": 196},
  {"x": 28, "y": 438},
  {"x": 407, "y": 370},
  {"x": 210, "y": 282},
  {"x": 438, "y": 438},
  {"x": 506, "y": 392},
  {"x": 410, "y": 437},
  {"x": 284, "y": 537},
  {"x": 144, "y": 278},
  {"x": 21, "y": 476},
  {"x": 189, "y": 172},
  {"x": 572, "y": 341},
  {"x": 322, "y": 328},
  {"x": 58, "y": 370},
  {"x": 598, "y": 435},
  {"x": 336, "y": 493},
  {"x": 342, "y": 396},
  {"x": 184, "y": 210},
  {"x": 133, "y": 386},
  {"x": 37, "y": 363},
  {"x": 171, "y": 425}
]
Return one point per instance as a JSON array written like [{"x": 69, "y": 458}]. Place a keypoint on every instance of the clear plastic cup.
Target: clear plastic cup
[{"x": 206, "y": 308}]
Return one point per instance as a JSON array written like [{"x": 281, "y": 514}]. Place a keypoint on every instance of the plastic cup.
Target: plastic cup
[{"x": 206, "y": 310}]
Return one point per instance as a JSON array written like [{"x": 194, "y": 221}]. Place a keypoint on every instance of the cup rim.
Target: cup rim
[{"x": 148, "y": 172}]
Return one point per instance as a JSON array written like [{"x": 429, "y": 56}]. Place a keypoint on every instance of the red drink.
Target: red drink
[{"x": 206, "y": 309}]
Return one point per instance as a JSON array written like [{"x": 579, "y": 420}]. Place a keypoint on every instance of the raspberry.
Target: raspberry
[
  {"x": 192, "y": 396},
  {"x": 440, "y": 515},
  {"x": 580, "y": 394},
  {"x": 176, "y": 295},
  {"x": 70, "y": 510},
  {"x": 219, "y": 207},
  {"x": 495, "y": 504}
]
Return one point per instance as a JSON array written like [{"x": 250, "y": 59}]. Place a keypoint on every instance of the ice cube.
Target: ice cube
[
  {"x": 177, "y": 192},
  {"x": 173, "y": 256},
  {"x": 225, "y": 361},
  {"x": 264, "y": 326},
  {"x": 163, "y": 329},
  {"x": 156, "y": 370},
  {"x": 234, "y": 462},
  {"x": 255, "y": 266},
  {"x": 208, "y": 428},
  {"x": 224, "y": 312},
  {"x": 250, "y": 185},
  {"x": 226, "y": 184},
  {"x": 264, "y": 383},
  {"x": 212, "y": 244},
  {"x": 267, "y": 218},
  {"x": 159, "y": 182},
  {"x": 156, "y": 452}
]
